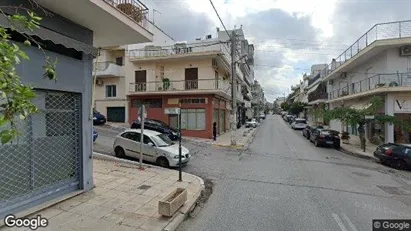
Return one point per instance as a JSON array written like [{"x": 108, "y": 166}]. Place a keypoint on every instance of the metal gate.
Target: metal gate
[
  {"x": 116, "y": 114},
  {"x": 45, "y": 158}
]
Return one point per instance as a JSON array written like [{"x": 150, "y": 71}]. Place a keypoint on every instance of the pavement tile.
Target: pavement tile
[
  {"x": 115, "y": 216},
  {"x": 62, "y": 218},
  {"x": 114, "y": 203},
  {"x": 66, "y": 205},
  {"x": 142, "y": 199},
  {"x": 99, "y": 200},
  {"x": 147, "y": 210},
  {"x": 123, "y": 180},
  {"x": 99, "y": 212},
  {"x": 126, "y": 195},
  {"x": 130, "y": 206},
  {"x": 99, "y": 190},
  {"x": 49, "y": 213},
  {"x": 123, "y": 228},
  {"x": 111, "y": 185},
  {"x": 124, "y": 188},
  {"x": 155, "y": 224},
  {"x": 133, "y": 220},
  {"x": 151, "y": 192},
  {"x": 112, "y": 193},
  {"x": 135, "y": 182}
]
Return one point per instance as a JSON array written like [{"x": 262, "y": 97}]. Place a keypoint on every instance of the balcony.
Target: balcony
[
  {"x": 375, "y": 84},
  {"x": 108, "y": 69},
  {"x": 181, "y": 51},
  {"x": 320, "y": 96},
  {"x": 378, "y": 33},
  {"x": 107, "y": 19},
  {"x": 202, "y": 86}
]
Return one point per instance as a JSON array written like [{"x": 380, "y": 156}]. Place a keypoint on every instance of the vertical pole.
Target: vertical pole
[
  {"x": 141, "y": 134},
  {"x": 234, "y": 89},
  {"x": 179, "y": 147}
]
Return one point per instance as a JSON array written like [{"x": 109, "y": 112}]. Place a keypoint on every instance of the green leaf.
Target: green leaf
[{"x": 6, "y": 136}]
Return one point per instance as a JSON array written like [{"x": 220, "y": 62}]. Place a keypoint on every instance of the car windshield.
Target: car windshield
[
  {"x": 162, "y": 140},
  {"x": 329, "y": 132},
  {"x": 301, "y": 121}
]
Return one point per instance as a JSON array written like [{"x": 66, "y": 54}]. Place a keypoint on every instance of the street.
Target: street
[{"x": 283, "y": 182}]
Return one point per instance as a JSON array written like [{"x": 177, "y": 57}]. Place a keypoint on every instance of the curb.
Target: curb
[
  {"x": 358, "y": 155},
  {"x": 173, "y": 224},
  {"x": 247, "y": 145}
]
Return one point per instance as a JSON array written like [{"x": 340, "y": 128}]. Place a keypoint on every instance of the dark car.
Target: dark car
[
  {"x": 325, "y": 137},
  {"x": 95, "y": 134},
  {"x": 308, "y": 130},
  {"x": 396, "y": 155},
  {"x": 98, "y": 118},
  {"x": 158, "y": 126}
]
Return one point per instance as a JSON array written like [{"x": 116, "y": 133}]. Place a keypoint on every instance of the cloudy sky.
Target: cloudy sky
[{"x": 289, "y": 35}]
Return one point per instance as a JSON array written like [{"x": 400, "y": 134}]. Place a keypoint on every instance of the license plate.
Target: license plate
[{"x": 330, "y": 142}]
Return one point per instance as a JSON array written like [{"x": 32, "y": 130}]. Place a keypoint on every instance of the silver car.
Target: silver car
[
  {"x": 157, "y": 148},
  {"x": 299, "y": 124}
]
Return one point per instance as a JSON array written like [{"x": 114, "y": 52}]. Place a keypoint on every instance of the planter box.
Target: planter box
[{"x": 172, "y": 202}]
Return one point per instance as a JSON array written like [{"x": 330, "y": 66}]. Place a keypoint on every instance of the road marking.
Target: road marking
[
  {"x": 339, "y": 222},
  {"x": 347, "y": 219}
]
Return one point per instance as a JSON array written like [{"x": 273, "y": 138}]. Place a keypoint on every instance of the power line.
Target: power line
[{"x": 221, "y": 21}]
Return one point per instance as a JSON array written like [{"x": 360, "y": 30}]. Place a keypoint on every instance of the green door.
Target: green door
[{"x": 116, "y": 114}]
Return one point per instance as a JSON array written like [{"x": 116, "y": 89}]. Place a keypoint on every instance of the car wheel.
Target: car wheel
[
  {"x": 400, "y": 164},
  {"x": 119, "y": 151},
  {"x": 337, "y": 146},
  {"x": 316, "y": 143},
  {"x": 163, "y": 162}
]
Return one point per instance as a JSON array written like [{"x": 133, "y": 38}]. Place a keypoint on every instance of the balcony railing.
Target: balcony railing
[
  {"x": 376, "y": 81},
  {"x": 176, "y": 50},
  {"x": 135, "y": 9},
  {"x": 108, "y": 69},
  {"x": 381, "y": 31},
  {"x": 317, "y": 96},
  {"x": 181, "y": 85}
]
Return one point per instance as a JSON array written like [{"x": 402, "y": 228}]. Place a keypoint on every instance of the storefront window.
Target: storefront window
[{"x": 193, "y": 119}]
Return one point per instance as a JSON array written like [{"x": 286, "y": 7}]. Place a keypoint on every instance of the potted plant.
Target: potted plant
[
  {"x": 345, "y": 137},
  {"x": 380, "y": 85},
  {"x": 393, "y": 84},
  {"x": 134, "y": 12},
  {"x": 166, "y": 83}
]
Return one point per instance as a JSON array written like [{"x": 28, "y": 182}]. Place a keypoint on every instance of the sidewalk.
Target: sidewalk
[
  {"x": 124, "y": 198},
  {"x": 355, "y": 150},
  {"x": 243, "y": 137}
]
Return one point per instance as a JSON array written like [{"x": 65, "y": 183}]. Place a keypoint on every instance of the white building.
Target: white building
[{"x": 379, "y": 63}]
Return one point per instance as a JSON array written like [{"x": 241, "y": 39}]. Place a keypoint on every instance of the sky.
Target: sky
[{"x": 288, "y": 35}]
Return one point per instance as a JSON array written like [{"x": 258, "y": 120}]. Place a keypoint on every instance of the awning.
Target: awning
[
  {"x": 313, "y": 89},
  {"x": 56, "y": 38}
]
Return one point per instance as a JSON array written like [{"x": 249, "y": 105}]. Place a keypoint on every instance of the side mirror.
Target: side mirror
[{"x": 151, "y": 144}]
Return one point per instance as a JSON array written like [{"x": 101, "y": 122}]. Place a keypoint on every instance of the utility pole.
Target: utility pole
[{"x": 234, "y": 89}]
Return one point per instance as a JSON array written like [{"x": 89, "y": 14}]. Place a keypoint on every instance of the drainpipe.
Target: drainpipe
[{"x": 94, "y": 86}]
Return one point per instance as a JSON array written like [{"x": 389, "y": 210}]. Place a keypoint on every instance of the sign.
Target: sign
[
  {"x": 369, "y": 117},
  {"x": 402, "y": 106},
  {"x": 142, "y": 109},
  {"x": 172, "y": 111}
]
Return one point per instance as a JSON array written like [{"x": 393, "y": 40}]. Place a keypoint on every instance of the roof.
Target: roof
[{"x": 147, "y": 132}]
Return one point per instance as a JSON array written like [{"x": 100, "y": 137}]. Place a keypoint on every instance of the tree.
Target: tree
[
  {"x": 296, "y": 108},
  {"x": 16, "y": 97},
  {"x": 284, "y": 106}
]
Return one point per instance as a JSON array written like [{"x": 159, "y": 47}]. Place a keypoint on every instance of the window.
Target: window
[
  {"x": 119, "y": 61},
  {"x": 193, "y": 101},
  {"x": 111, "y": 91},
  {"x": 193, "y": 119},
  {"x": 131, "y": 136}
]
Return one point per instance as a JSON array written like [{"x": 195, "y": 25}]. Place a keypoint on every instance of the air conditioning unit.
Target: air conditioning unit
[
  {"x": 405, "y": 51},
  {"x": 99, "y": 82},
  {"x": 331, "y": 82},
  {"x": 215, "y": 64}
]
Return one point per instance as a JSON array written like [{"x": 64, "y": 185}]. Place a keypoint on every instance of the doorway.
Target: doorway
[
  {"x": 191, "y": 78},
  {"x": 140, "y": 82}
]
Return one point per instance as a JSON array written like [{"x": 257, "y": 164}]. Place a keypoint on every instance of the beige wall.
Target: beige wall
[
  {"x": 100, "y": 91},
  {"x": 108, "y": 55}
]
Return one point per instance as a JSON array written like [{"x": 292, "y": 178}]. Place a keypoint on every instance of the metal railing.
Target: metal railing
[
  {"x": 194, "y": 48},
  {"x": 181, "y": 85},
  {"x": 376, "y": 81},
  {"x": 317, "y": 95},
  {"x": 135, "y": 9},
  {"x": 381, "y": 31}
]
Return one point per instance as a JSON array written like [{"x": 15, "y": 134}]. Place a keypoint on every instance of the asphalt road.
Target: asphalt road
[{"x": 286, "y": 183}]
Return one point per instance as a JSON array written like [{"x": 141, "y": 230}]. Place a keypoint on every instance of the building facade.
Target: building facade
[{"x": 33, "y": 170}]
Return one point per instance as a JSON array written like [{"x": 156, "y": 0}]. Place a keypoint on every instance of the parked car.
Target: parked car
[
  {"x": 325, "y": 137},
  {"x": 262, "y": 116},
  {"x": 299, "y": 124},
  {"x": 308, "y": 130},
  {"x": 395, "y": 155},
  {"x": 158, "y": 126},
  {"x": 157, "y": 148},
  {"x": 98, "y": 118},
  {"x": 95, "y": 134},
  {"x": 251, "y": 123},
  {"x": 291, "y": 119}
]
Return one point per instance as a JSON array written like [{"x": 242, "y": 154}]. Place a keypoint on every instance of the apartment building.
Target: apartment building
[
  {"x": 51, "y": 160},
  {"x": 378, "y": 63},
  {"x": 258, "y": 99}
]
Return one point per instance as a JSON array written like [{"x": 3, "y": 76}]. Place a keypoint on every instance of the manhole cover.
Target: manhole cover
[
  {"x": 391, "y": 190},
  {"x": 144, "y": 187},
  {"x": 360, "y": 174}
]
